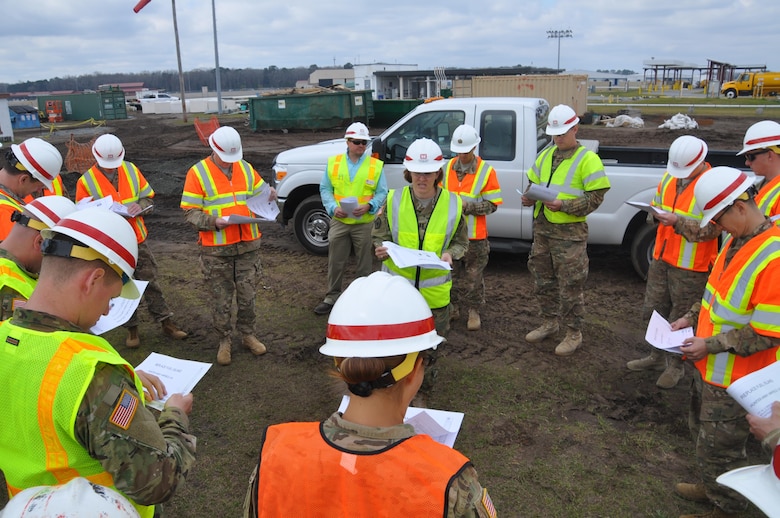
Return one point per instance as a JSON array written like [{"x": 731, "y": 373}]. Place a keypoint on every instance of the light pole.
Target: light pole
[
  {"x": 216, "y": 59},
  {"x": 558, "y": 35}
]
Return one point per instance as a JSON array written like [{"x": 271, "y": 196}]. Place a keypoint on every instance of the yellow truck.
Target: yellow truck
[{"x": 756, "y": 84}]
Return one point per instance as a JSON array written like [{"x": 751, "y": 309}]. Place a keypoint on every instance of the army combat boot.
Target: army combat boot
[
  {"x": 548, "y": 327},
  {"x": 172, "y": 330},
  {"x": 253, "y": 344},
  {"x": 693, "y": 492},
  {"x": 569, "y": 344},
  {"x": 655, "y": 361},
  {"x": 223, "y": 354},
  {"x": 132, "y": 341},
  {"x": 474, "y": 323},
  {"x": 675, "y": 370}
]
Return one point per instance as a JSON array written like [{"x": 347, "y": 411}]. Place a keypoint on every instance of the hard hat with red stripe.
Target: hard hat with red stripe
[
  {"x": 718, "y": 188},
  {"x": 49, "y": 210},
  {"x": 226, "y": 143},
  {"x": 39, "y": 158},
  {"x": 357, "y": 131},
  {"x": 761, "y": 135},
  {"x": 108, "y": 151},
  {"x": 423, "y": 156},
  {"x": 561, "y": 119},
  {"x": 685, "y": 155}
]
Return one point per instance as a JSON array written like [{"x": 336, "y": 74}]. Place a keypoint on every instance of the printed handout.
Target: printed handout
[
  {"x": 263, "y": 206},
  {"x": 405, "y": 257},
  {"x": 120, "y": 310},
  {"x": 179, "y": 376},
  {"x": 646, "y": 207},
  {"x": 539, "y": 193},
  {"x": 660, "y": 335},
  {"x": 758, "y": 390}
]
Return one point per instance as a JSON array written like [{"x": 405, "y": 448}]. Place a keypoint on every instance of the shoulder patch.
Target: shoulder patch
[
  {"x": 124, "y": 411},
  {"x": 487, "y": 503}
]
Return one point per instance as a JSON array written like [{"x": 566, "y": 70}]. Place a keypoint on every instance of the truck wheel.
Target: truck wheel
[
  {"x": 731, "y": 94},
  {"x": 642, "y": 249},
  {"x": 311, "y": 223}
]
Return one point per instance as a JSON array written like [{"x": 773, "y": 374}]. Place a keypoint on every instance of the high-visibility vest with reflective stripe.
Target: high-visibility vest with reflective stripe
[
  {"x": 567, "y": 179},
  {"x": 50, "y": 373},
  {"x": 132, "y": 187},
  {"x": 768, "y": 198},
  {"x": 362, "y": 187},
  {"x": 206, "y": 188},
  {"x": 408, "y": 478},
  {"x": 474, "y": 188},
  {"x": 735, "y": 298},
  {"x": 14, "y": 277},
  {"x": 671, "y": 247},
  {"x": 8, "y": 205},
  {"x": 433, "y": 284},
  {"x": 56, "y": 187}
]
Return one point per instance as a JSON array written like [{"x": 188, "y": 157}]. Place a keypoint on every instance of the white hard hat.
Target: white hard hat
[
  {"x": 107, "y": 234},
  {"x": 685, "y": 155},
  {"x": 108, "y": 151},
  {"x": 761, "y": 135},
  {"x": 464, "y": 139},
  {"x": 399, "y": 323},
  {"x": 226, "y": 143},
  {"x": 358, "y": 131},
  {"x": 423, "y": 156},
  {"x": 39, "y": 158},
  {"x": 49, "y": 210},
  {"x": 78, "y": 498},
  {"x": 717, "y": 188},
  {"x": 561, "y": 119},
  {"x": 759, "y": 484}
]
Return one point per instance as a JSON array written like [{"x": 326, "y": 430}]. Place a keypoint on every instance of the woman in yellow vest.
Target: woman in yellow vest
[
  {"x": 365, "y": 462},
  {"x": 424, "y": 217}
]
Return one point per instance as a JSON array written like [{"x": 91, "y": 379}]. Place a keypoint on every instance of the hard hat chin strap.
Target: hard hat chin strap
[
  {"x": 388, "y": 378},
  {"x": 61, "y": 248}
]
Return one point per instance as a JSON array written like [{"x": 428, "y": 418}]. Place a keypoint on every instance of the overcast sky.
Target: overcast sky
[{"x": 49, "y": 38}]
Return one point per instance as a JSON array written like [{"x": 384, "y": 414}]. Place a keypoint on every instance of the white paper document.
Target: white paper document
[
  {"x": 235, "y": 219},
  {"x": 179, "y": 376},
  {"x": 349, "y": 204},
  {"x": 539, "y": 193},
  {"x": 660, "y": 335},
  {"x": 758, "y": 390},
  {"x": 405, "y": 257},
  {"x": 120, "y": 310},
  {"x": 646, "y": 207},
  {"x": 442, "y": 425},
  {"x": 108, "y": 203},
  {"x": 263, "y": 206}
]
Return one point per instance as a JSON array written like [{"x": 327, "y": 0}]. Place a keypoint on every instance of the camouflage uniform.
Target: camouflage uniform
[
  {"x": 9, "y": 297},
  {"x": 146, "y": 270},
  {"x": 716, "y": 421},
  {"x": 152, "y": 456},
  {"x": 465, "y": 494}
]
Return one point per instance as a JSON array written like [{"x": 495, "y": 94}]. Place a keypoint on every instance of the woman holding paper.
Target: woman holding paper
[
  {"x": 366, "y": 461},
  {"x": 424, "y": 217}
]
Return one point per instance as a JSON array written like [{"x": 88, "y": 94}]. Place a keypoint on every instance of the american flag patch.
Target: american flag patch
[
  {"x": 124, "y": 411},
  {"x": 487, "y": 503}
]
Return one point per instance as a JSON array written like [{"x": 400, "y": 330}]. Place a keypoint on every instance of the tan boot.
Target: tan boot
[
  {"x": 223, "y": 354},
  {"x": 692, "y": 492},
  {"x": 133, "y": 341},
  {"x": 170, "y": 329},
  {"x": 548, "y": 327},
  {"x": 655, "y": 361},
  {"x": 253, "y": 344},
  {"x": 716, "y": 512},
  {"x": 474, "y": 323},
  {"x": 672, "y": 375},
  {"x": 569, "y": 344}
]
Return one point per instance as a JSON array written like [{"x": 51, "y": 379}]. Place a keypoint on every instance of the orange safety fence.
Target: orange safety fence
[
  {"x": 206, "y": 128},
  {"x": 79, "y": 157}
]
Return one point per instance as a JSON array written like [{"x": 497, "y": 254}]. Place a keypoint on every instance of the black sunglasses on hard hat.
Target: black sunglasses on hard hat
[
  {"x": 752, "y": 155},
  {"x": 359, "y": 142}
]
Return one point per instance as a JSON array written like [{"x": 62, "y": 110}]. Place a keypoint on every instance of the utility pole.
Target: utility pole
[
  {"x": 558, "y": 35},
  {"x": 216, "y": 59}
]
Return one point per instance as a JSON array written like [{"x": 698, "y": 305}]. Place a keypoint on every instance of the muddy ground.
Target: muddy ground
[{"x": 592, "y": 387}]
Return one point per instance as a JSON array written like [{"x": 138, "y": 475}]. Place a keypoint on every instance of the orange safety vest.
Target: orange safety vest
[
  {"x": 132, "y": 187},
  {"x": 362, "y": 187},
  {"x": 672, "y": 248},
  {"x": 301, "y": 473},
  {"x": 768, "y": 198},
  {"x": 56, "y": 189},
  {"x": 482, "y": 185},
  {"x": 206, "y": 188},
  {"x": 740, "y": 294}
]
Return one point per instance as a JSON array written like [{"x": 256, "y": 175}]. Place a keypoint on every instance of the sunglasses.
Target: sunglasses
[
  {"x": 359, "y": 142},
  {"x": 752, "y": 156}
]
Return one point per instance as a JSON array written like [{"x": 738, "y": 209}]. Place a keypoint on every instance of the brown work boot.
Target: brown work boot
[
  {"x": 223, "y": 354},
  {"x": 253, "y": 344},
  {"x": 170, "y": 329},
  {"x": 474, "y": 323},
  {"x": 655, "y": 362},
  {"x": 569, "y": 344},
  {"x": 693, "y": 492},
  {"x": 548, "y": 327},
  {"x": 133, "y": 341},
  {"x": 674, "y": 372},
  {"x": 716, "y": 512}
]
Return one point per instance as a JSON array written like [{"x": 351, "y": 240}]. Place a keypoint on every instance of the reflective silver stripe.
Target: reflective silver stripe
[
  {"x": 541, "y": 160},
  {"x": 767, "y": 318},
  {"x": 720, "y": 365},
  {"x": 749, "y": 271},
  {"x": 568, "y": 182},
  {"x": 452, "y": 219},
  {"x": 205, "y": 179},
  {"x": 396, "y": 207},
  {"x": 131, "y": 173},
  {"x": 593, "y": 176},
  {"x": 688, "y": 250},
  {"x": 92, "y": 186},
  {"x": 436, "y": 281}
]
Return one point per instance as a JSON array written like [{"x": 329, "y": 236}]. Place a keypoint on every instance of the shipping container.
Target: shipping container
[
  {"x": 310, "y": 111},
  {"x": 102, "y": 105},
  {"x": 571, "y": 90}
]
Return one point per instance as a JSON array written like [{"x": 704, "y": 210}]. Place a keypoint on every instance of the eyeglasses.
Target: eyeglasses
[
  {"x": 752, "y": 156},
  {"x": 716, "y": 220},
  {"x": 359, "y": 142}
]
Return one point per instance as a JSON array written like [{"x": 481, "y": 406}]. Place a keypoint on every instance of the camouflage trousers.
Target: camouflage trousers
[
  {"x": 720, "y": 432},
  {"x": 226, "y": 277},
  {"x": 146, "y": 270},
  {"x": 560, "y": 269},
  {"x": 468, "y": 284}
]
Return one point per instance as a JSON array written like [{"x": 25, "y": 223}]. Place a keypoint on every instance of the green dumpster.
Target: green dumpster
[
  {"x": 310, "y": 111},
  {"x": 388, "y": 111}
]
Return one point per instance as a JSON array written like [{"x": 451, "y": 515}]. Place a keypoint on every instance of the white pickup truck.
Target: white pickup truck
[{"x": 512, "y": 131}]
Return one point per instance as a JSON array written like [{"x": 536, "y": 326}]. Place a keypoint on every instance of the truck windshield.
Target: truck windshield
[{"x": 437, "y": 126}]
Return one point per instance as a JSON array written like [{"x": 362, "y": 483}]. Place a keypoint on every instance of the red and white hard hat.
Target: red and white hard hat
[
  {"x": 108, "y": 235},
  {"x": 717, "y": 188},
  {"x": 76, "y": 499},
  {"x": 759, "y": 484},
  {"x": 685, "y": 155},
  {"x": 108, "y": 151},
  {"x": 50, "y": 209},
  {"x": 423, "y": 156},
  {"x": 761, "y": 135},
  {"x": 39, "y": 158},
  {"x": 464, "y": 139},
  {"x": 561, "y": 119},
  {"x": 226, "y": 143},
  {"x": 358, "y": 131},
  {"x": 401, "y": 323}
]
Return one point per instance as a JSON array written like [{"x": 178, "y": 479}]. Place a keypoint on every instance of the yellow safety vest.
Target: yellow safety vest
[
  {"x": 17, "y": 279},
  {"x": 362, "y": 187}
]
